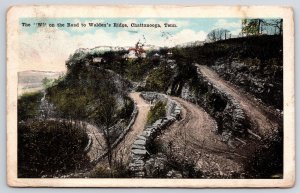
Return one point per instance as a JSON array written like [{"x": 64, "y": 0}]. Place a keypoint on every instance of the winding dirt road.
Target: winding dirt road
[
  {"x": 122, "y": 150},
  {"x": 97, "y": 147},
  {"x": 255, "y": 112},
  {"x": 193, "y": 138}
]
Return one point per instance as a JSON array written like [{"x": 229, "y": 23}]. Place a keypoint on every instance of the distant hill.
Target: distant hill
[{"x": 31, "y": 81}]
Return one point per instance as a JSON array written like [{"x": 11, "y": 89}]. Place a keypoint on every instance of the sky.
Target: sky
[{"x": 47, "y": 48}]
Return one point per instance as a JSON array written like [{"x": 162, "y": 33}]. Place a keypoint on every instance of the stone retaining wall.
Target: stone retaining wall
[
  {"x": 132, "y": 120},
  {"x": 231, "y": 118},
  {"x": 139, "y": 151},
  {"x": 122, "y": 135}
]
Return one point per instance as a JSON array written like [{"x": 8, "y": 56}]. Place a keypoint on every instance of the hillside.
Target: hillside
[
  {"x": 254, "y": 64},
  {"x": 201, "y": 111}
]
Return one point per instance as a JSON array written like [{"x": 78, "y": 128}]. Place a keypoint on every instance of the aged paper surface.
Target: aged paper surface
[{"x": 80, "y": 112}]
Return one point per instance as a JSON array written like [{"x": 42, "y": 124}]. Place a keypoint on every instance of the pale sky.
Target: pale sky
[{"x": 47, "y": 48}]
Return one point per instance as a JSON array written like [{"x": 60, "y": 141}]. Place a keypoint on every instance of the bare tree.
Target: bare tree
[
  {"x": 227, "y": 34},
  {"x": 277, "y": 24},
  {"x": 212, "y": 35},
  {"x": 280, "y": 26},
  {"x": 105, "y": 116},
  {"x": 218, "y": 34}
]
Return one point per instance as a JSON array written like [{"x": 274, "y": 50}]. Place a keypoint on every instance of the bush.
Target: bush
[
  {"x": 28, "y": 106},
  {"x": 127, "y": 109},
  {"x": 156, "y": 112},
  {"x": 50, "y": 148},
  {"x": 159, "y": 79},
  {"x": 267, "y": 161},
  {"x": 136, "y": 69},
  {"x": 119, "y": 170}
]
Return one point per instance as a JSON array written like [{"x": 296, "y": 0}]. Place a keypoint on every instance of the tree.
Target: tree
[
  {"x": 277, "y": 24},
  {"x": 252, "y": 26},
  {"x": 105, "y": 116},
  {"x": 218, "y": 34},
  {"x": 227, "y": 34},
  {"x": 46, "y": 82},
  {"x": 260, "y": 26},
  {"x": 212, "y": 35}
]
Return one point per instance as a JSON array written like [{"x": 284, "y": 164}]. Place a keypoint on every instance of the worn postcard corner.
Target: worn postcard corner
[{"x": 150, "y": 96}]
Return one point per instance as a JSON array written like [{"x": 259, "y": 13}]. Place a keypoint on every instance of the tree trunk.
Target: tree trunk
[
  {"x": 259, "y": 27},
  {"x": 109, "y": 157},
  {"x": 281, "y": 27}
]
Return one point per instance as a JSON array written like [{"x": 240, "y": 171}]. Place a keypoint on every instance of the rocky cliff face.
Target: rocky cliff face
[
  {"x": 230, "y": 117},
  {"x": 263, "y": 80},
  {"x": 254, "y": 64}
]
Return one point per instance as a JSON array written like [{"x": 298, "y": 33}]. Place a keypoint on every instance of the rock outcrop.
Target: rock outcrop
[
  {"x": 264, "y": 81},
  {"x": 228, "y": 113}
]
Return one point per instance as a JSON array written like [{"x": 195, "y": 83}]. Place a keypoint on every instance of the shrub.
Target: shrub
[
  {"x": 28, "y": 106},
  {"x": 119, "y": 170},
  {"x": 156, "y": 112},
  {"x": 136, "y": 69},
  {"x": 159, "y": 79},
  {"x": 127, "y": 110},
  {"x": 267, "y": 161},
  {"x": 50, "y": 148}
]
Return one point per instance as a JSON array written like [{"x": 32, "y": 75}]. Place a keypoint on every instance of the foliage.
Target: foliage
[
  {"x": 251, "y": 26},
  {"x": 159, "y": 79},
  {"x": 28, "y": 106},
  {"x": 185, "y": 72},
  {"x": 70, "y": 102},
  {"x": 105, "y": 117},
  {"x": 258, "y": 26},
  {"x": 133, "y": 69},
  {"x": 127, "y": 110},
  {"x": 92, "y": 93},
  {"x": 50, "y": 148},
  {"x": 79, "y": 97},
  {"x": 267, "y": 160},
  {"x": 156, "y": 112},
  {"x": 46, "y": 82},
  {"x": 137, "y": 69},
  {"x": 118, "y": 170},
  {"x": 260, "y": 47}
]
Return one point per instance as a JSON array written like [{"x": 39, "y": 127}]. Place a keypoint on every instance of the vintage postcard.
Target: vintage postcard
[{"x": 150, "y": 96}]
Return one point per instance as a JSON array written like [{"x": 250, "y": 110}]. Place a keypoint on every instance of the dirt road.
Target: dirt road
[
  {"x": 122, "y": 150},
  {"x": 194, "y": 139},
  {"x": 98, "y": 147},
  {"x": 255, "y": 112}
]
